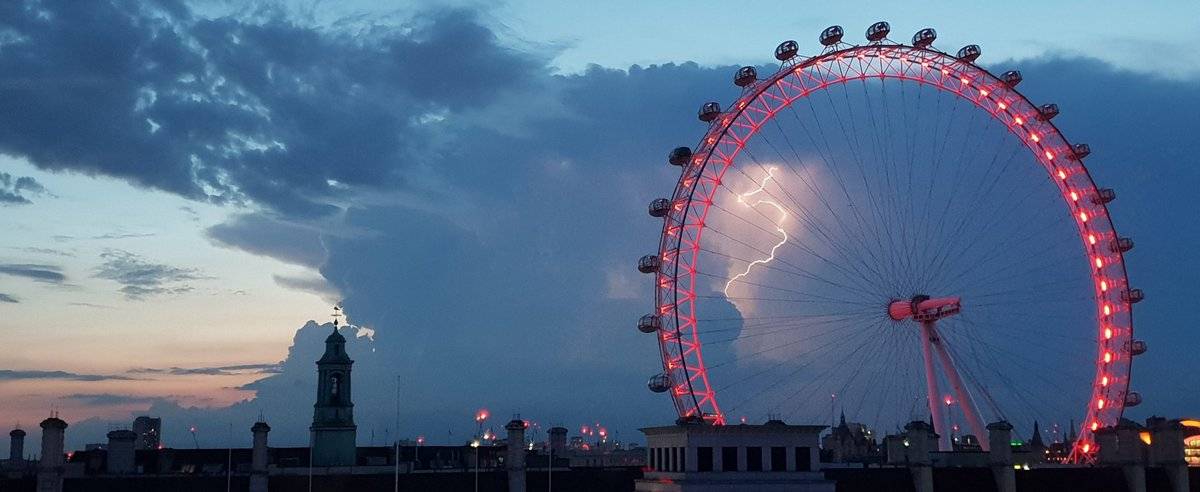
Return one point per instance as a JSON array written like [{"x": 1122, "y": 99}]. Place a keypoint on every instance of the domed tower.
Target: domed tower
[{"x": 333, "y": 429}]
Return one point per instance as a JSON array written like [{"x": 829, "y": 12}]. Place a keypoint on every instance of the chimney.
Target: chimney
[
  {"x": 16, "y": 447},
  {"x": 1166, "y": 445},
  {"x": 1130, "y": 450},
  {"x": 917, "y": 455},
  {"x": 515, "y": 461},
  {"x": 258, "y": 457},
  {"x": 1000, "y": 457},
  {"x": 558, "y": 440},
  {"x": 120, "y": 452},
  {"x": 50, "y": 468}
]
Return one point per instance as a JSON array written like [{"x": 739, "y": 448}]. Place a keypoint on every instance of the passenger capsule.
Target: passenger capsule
[
  {"x": 1079, "y": 151},
  {"x": 1122, "y": 245},
  {"x": 659, "y": 383},
  {"x": 1105, "y": 195},
  {"x": 709, "y": 111},
  {"x": 924, "y": 37},
  {"x": 1047, "y": 112},
  {"x": 1136, "y": 347},
  {"x": 650, "y": 323},
  {"x": 680, "y": 156},
  {"x": 745, "y": 76},
  {"x": 660, "y": 207},
  {"x": 1133, "y": 399},
  {"x": 878, "y": 31},
  {"x": 832, "y": 35},
  {"x": 1132, "y": 296},
  {"x": 787, "y": 50},
  {"x": 969, "y": 53},
  {"x": 649, "y": 264},
  {"x": 1011, "y": 78}
]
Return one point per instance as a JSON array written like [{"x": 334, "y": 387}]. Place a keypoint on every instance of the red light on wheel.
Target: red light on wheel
[
  {"x": 1104, "y": 381},
  {"x": 1049, "y": 155},
  {"x": 1087, "y": 447},
  {"x": 1103, "y": 286},
  {"x": 1100, "y": 404},
  {"x": 1034, "y": 137},
  {"x": 1083, "y": 216},
  {"x": 1099, "y": 263},
  {"x": 1095, "y": 425},
  {"x": 1107, "y": 357},
  {"x": 1092, "y": 239},
  {"x": 1019, "y": 120},
  {"x": 1108, "y": 333},
  {"x": 1062, "y": 174},
  {"x": 1003, "y": 106},
  {"x": 1107, "y": 310}
]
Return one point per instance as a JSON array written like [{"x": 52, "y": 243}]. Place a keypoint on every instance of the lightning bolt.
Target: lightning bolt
[{"x": 742, "y": 199}]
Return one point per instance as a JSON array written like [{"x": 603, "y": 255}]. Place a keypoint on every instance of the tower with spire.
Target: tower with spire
[{"x": 333, "y": 430}]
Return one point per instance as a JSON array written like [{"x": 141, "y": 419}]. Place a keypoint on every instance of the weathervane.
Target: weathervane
[{"x": 337, "y": 315}]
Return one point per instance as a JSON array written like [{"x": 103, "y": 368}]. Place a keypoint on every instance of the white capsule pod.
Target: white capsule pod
[
  {"x": 1104, "y": 195},
  {"x": 969, "y": 53},
  {"x": 1047, "y": 112},
  {"x": 649, "y": 264},
  {"x": 878, "y": 31},
  {"x": 1011, "y": 78},
  {"x": 680, "y": 156},
  {"x": 1133, "y": 399},
  {"x": 787, "y": 50},
  {"x": 709, "y": 111},
  {"x": 659, "y": 383},
  {"x": 1121, "y": 245},
  {"x": 1132, "y": 296},
  {"x": 745, "y": 76},
  {"x": 650, "y": 323},
  {"x": 660, "y": 207},
  {"x": 924, "y": 37},
  {"x": 832, "y": 35}
]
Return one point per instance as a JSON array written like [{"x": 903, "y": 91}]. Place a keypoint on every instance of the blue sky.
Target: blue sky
[{"x": 210, "y": 177}]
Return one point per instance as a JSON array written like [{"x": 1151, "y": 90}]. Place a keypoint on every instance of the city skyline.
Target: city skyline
[{"x": 461, "y": 180}]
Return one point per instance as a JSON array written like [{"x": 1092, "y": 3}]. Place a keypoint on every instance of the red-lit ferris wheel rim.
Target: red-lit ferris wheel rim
[{"x": 679, "y": 249}]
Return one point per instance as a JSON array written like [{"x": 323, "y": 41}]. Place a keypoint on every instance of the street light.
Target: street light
[{"x": 475, "y": 444}]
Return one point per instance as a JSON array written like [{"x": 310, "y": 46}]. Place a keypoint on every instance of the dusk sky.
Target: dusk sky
[{"x": 186, "y": 187}]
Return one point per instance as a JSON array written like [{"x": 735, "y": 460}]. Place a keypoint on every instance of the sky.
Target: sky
[{"x": 188, "y": 187}]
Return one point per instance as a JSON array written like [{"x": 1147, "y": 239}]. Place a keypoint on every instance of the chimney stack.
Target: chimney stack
[
  {"x": 16, "y": 448},
  {"x": 917, "y": 454},
  {"x": 1000, "y": 457},
  {"x": 258, "y": 457},
  {"x": 120, "y": 452},
  {"x": 50, "y": 468},
  {"x": 515, "y": 461}
]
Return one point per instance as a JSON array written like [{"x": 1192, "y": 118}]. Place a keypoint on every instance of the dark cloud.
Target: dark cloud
[
  {"x": 7, "y": 298},
  {"x": 109, "y": 399},
  {"x": 211, "y": 371},
  {"x": 227, "y": 109},
  {"x": 13, "y": 189},
  {"x": 123, "y": 235},
  {"x": 270, "y": 236},
  {"x": 41, "y": 273},
  {"x": 313, "y": 285},
  {"x": 140, "y": 278},
  {"x": 14, "y": 375}
]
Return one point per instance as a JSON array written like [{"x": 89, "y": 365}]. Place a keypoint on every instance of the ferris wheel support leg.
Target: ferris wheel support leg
[
  {"x": 931, "y": 386},
  {"x": 960, "y": 390}
]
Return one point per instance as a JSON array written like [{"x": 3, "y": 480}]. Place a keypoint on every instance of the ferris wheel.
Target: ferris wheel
[{"x": 893, "y": 231}]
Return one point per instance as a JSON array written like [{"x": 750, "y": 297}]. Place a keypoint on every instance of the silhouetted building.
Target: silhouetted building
[
  {"x": 849, "y": 443},
  {"x": 149, "y": 432},
  {"x": 333, "y": 429}
]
